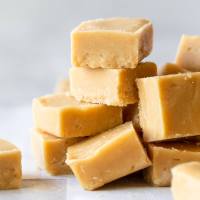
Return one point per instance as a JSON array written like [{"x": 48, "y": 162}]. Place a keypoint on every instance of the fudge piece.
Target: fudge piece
[
  {"x": 50, "y": 152},
  {"x": 171, "y": 68},
  {"x": 166, "y": 155},
  {"x": 186, "y": 181},
  {"x": 108, "y": 86},
  {"x": 188, "y": 55},
  {"x": 111, "y": 43},
  {"x": 61, "y": 115},
  {"x": 62, "y": 86},
  {"x": 170, "y": 106},
  {"x": 107, "y": 156},
  {"x": 131, "y": 113},
  {"x": 10, "y": 166}
]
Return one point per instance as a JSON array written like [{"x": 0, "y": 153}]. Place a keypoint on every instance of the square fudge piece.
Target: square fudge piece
[
  {"x": 115, "y": 87},
  {"x": 10, "y": 166},
  {"x": 166, "y": 155},
  {"x": 111, "y": 43},
  {"x": 171, "y": 68},
  {"x": 50, "y": 152},
  {"x": 107, "y": 156},
  {"x": 170, "y": 106},
  {"x": 61, "y": 115},
  {"x": 188, "y": 55},
  {"x": 186, "y": 181}
]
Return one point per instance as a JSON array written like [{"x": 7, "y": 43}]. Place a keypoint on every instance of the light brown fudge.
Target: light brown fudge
[
  {"x": 169, "y": 106},
  {"x": 186, "y": 181},
  {"x": 188, "y": 54},
  {"x": 107, "y": 157},
  {"x": 166, "y": 155},
  {"x": 50, "y": 151},
  {"x": 61, "y": 115},
  {"x": 111, "y": 43},
  {"x": 10, "y": 166},
  {"x": 171, "y": 68},
  {"x": 108, "y": 86}
]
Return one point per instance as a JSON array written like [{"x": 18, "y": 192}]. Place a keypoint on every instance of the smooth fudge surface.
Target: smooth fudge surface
[
  {"x": 111, "y": 43},
  {"x": 107, "y": 156},
  {"x": 61, "y": 115},
  {"x": 50, "y": 152},
  {"x": 169, "y": 106},
  {"x": 165, "y": 156},
  {"x": 186, "y": 181},
  {"x": 188, "y": 54},
  {"x": 10, "y": 166},
  {"x": 171, "y": 68},
  {"x": 108, "y": 86}
]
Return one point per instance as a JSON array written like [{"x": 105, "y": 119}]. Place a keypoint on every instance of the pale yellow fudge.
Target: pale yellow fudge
[
  {"x": 50, "y": 152},
  {"x": 10, "y": 166},
  {"x": 108, "y": 86},
  {"x": 61, "y": 115},
  {"x": 170, "y": 106},
  {"x": 111, "y": 43},
  {"x": 166, "y": 155},
  {"x": 171, "y": 68},
  {"x": 107, "y": 156},
  {"x": 131, "y": 113},
  {"x": 62, "y": 86},
  {"x": 186, "y": 181},
  {"x": 188, "y": 54}
]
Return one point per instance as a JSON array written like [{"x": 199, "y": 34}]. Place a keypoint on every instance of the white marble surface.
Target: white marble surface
[{"x": 15, "y": 126}]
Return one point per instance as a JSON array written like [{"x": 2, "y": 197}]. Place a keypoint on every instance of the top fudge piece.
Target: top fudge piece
[
  {"x": 188, "y": 55},
  {"x": 61, "y": 115},
  {"x": 170, "y": 106},
  {"x": 111, "y": 43}
]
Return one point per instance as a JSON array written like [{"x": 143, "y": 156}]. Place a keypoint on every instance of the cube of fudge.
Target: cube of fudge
[
  {"x": 108, "y": 86},
  {"x": 107, "y": 156},
  {"x": 61, "y": 115},
  {"x": 171, "y": 68},
  {"x": 10, "y": 166},
  {"x": 170, "y": 106},
  {"x": 111, "y": 43},
  {"x": 186, "y": 181},
  {"x": 50, "y": 152},
  {"x": 165, "y": 156},
  {"x": 188, "y": 55}
]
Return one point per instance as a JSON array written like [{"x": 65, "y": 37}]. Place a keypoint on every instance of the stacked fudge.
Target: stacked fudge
[{"x": 115, "y": 107}]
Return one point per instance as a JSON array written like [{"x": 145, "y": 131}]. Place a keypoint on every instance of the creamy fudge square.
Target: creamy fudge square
[
  {"x": 50, "y": 151},
  {"x": 61, "y": 115},
  {"x": 107, "y": 156},
  {"x": 186, "y": 181},
  {"x": 108, "y": 86},
  {"x": 188, "y": 54},
  {"x": 165, "y": 156},
  {"x": 111, "y": 43},
  {"x": 169, "y": 106},
  {"x": 171, "y": 68}
]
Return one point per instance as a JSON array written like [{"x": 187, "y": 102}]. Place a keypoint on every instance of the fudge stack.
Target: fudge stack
[{"x": 115, "y": 100}]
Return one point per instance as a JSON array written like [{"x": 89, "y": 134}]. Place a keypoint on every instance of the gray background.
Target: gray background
[{"x": 35, "y": 37}]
